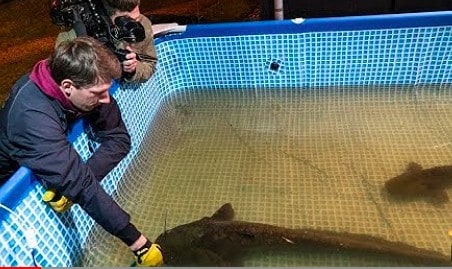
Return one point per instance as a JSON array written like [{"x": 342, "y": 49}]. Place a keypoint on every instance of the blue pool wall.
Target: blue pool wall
[{"x": 388, "y": 50}]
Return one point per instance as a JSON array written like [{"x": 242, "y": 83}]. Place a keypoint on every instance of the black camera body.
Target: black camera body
[{"x": 89, "y": 17}]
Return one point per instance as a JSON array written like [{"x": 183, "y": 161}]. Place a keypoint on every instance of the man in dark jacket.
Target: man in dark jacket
[{"x": 34, "y": 121}]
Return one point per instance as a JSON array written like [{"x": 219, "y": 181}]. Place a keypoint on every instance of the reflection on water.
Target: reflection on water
[{"x": 307, "y": 158}]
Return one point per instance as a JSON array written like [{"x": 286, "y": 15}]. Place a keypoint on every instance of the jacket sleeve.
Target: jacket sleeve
[
  {"x": 114, "y": 139},
  {"x": 145, "y": 69},
  {"x": 40, "y": 144}
]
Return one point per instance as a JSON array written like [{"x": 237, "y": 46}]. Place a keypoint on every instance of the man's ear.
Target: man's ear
[{"x": 66, "y": 86}]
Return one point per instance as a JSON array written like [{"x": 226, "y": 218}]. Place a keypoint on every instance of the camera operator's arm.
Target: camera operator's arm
[
  {"x": 65, "y": 36},
  {"x": 143, "y": 69}
]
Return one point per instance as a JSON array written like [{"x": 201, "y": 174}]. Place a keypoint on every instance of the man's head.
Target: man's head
[
  {"x": 84, "y": 69},
  {"x": 116, "y": 8}
]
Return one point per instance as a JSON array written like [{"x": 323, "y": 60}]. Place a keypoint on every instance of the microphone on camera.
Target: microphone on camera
[
  {"x": 78, "y": 25},
  {"x": 79, "y": 28}
]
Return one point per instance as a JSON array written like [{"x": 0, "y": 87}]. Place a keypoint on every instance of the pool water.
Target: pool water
[{"x": 298, "y": 158}]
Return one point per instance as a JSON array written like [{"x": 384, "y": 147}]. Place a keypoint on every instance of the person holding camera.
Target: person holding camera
[
  {"x": 72, "y": 83},
  {"x": 138, "y": 59}
]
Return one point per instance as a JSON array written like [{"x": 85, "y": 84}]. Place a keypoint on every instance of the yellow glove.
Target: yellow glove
[
  {"x": 150, "y": 256},
  {"x": 58, "y": 202}
]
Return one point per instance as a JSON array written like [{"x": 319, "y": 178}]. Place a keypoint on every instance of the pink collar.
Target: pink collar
[{"x": 42, "y": 77}]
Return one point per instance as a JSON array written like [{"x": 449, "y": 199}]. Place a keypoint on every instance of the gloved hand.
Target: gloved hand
[
  {"x": 151, "y": 256},
  {"x": 58, "y": 202}
]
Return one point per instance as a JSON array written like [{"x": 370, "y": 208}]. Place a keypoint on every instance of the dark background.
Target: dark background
[{"x": 327, "y": 8}]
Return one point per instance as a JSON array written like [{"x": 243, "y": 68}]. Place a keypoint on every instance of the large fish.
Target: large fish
[
  {"x": 221, "y": 241},
  {"x": 418, "y": 183}
]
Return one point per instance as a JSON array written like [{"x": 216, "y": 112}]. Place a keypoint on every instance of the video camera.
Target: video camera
[{"x": 89, "y": 17}]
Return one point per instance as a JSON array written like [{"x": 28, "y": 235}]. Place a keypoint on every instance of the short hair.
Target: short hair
[
  {"x": 85, "y": 61},
  {"x": 120, "y": 5}
]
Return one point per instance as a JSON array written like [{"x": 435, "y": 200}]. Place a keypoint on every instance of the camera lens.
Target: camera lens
[{"x": 129, "y": 30}]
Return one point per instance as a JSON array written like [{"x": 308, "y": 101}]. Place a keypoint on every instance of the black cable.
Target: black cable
[{"x": 35, "y": 263}]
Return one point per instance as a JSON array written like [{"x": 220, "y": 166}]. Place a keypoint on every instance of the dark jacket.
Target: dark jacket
[{"x": 33, "y": 133}]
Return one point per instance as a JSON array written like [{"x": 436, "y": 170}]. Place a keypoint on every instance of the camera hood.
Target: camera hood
[{"x": 128, "y": 29}]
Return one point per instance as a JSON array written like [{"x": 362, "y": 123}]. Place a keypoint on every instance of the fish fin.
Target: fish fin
[
  {"x": 236, "y": 259},
  {"x": 220, "y": 250},
  {"x": 440, "y": 197},
  {"x": 224, "y": 213},
  {"x": 413, "y": 167},
  {"x": 231, "y": 253}
]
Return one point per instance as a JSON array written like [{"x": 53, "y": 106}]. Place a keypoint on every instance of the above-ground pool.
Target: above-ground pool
[{"x": 296, "y": 123}]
